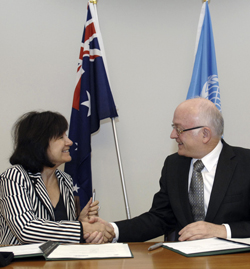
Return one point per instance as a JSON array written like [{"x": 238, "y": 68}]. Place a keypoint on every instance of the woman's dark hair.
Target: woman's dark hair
[{"x": 32, "y": 133}]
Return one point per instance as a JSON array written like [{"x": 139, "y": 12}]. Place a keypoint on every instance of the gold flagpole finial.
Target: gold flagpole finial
[
  {"x": 93, "y": 2},
  {"x": 203, "y": 1}
]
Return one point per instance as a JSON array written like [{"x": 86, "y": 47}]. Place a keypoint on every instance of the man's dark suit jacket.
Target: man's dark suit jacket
[{"x": 229, "y": 201}]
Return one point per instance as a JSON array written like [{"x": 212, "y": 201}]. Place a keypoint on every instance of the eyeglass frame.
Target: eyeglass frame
[{"x": 179, "y": 132}]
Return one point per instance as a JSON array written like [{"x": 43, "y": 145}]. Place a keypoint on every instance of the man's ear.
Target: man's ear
[{"x": 207, "y": 134}]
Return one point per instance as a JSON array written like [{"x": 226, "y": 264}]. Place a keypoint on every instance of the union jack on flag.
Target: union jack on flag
[{"x": 92, "y": 102}]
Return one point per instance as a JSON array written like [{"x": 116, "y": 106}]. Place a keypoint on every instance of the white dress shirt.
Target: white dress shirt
[
  {"x": 208, "y": 172},
  {"x": 210, "y": 162}
]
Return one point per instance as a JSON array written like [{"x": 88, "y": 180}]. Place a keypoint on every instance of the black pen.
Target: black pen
[{"x": 157, "y": 245}]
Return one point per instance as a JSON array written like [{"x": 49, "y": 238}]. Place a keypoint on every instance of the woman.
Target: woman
[{"x": 36, "y": 199}]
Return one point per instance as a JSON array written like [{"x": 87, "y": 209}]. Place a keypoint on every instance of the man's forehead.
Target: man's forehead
[{"x": 183, "y": 116}]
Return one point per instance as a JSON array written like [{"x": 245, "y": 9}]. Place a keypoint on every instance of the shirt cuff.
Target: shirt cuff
[
  {"x": 116, "y": 230},
  {"x": 229, "y": 234},
  {"x": 82, "y": 240}
]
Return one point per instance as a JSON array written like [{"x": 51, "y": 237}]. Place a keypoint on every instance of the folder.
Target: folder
[
  {"x": 210, "y": 246},
  {"x": 24, "y": 251},
  {"x": 56, "y": 251}
]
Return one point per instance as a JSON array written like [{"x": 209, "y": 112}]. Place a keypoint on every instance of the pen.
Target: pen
[
  {"x": 93, "y": 196},
  {"x": 157, "y": 245}
]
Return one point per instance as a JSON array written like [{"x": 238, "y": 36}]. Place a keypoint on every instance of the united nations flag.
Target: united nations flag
[{"x": 204, "y": 80}]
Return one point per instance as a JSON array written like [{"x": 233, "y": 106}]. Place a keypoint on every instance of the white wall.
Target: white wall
[{"x": 150, "y": 52}]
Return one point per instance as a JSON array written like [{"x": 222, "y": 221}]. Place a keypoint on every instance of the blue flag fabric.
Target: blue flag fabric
[
  {"x": 92, "y": 102},
  {"x": 204, "y": 80}
]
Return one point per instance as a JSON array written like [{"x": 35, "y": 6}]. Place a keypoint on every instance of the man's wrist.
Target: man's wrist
[
  {"x": 116, "y": 230},
  {"x": 228, "y": 229}
]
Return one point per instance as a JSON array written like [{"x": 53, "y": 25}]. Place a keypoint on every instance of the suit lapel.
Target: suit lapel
[
  {"x": 42, "y": 193},
  {"x": 68, "y": 198},
  {"x": 224, "y": 172},
  {"x": 183, "y": 191}
]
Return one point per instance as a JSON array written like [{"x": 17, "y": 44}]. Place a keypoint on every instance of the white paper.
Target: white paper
[
  {"x": 241, "y": 240},
  {"x": 22, "y": 250},
  {"x": 113, "y": 250},
  {"x": 204, "y": 245}
]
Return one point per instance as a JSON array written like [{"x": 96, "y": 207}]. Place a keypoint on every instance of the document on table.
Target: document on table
[
  {"x": 210, "y": 246},
  {"x": 83, "y": 251},
  {"x": 24, "y": 250},
  {"x": 55, "y": 251}
]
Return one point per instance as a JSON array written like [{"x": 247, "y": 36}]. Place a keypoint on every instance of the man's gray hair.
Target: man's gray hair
[{"x": 212, "y": 117}]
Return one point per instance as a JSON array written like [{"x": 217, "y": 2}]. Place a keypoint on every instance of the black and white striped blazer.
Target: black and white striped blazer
[{"x": 26, "y": 212}]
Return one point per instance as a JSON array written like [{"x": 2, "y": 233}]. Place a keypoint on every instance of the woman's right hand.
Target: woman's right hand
[{"x": 94, "y": 238}]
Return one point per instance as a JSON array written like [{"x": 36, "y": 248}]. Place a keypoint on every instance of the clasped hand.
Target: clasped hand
[
  {"x": 98, "y": 231},
  {"x": 95, "y": 229}
]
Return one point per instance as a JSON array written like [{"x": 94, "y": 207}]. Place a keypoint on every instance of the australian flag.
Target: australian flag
[
  {"x": 92, "y": 102},
  {"x": 204, "y": 80}
]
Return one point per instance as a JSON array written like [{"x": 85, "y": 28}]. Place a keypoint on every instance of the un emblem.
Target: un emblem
[{"x": 211, "y": 90}]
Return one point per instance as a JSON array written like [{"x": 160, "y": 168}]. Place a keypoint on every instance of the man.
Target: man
[{"x": 197, "y": 129}]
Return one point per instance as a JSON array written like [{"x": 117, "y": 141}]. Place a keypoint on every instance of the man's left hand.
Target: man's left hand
[{"x": 201, "y": 230}]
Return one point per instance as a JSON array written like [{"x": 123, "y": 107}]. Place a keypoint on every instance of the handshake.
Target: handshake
[
  {"x": 98, "y": 231},
  {"x": 95, "y": 229}
]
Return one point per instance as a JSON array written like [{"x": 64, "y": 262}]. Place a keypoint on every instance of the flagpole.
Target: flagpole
[
  {"x": 120, "y": 169},
  {"x": 94, "y": 2}
]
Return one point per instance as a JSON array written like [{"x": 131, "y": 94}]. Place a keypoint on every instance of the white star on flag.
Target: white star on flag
[
  {"x": 76, "y": 188},
  {"x": 87, "y": 104}
]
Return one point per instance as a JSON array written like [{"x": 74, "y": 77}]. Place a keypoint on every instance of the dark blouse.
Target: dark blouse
[
  {"x": 60, "y": 210},
  {"x": 61, "y": 214}
]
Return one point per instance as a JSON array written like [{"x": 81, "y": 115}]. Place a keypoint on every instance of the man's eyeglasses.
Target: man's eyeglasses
[{"x": 180, "y": 130}]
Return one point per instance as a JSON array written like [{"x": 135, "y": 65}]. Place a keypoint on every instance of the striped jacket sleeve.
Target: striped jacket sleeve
[{"x": 25, "y": 216}]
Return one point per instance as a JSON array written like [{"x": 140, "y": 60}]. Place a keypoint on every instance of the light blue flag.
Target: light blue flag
[{"x": 204, "y": 80}]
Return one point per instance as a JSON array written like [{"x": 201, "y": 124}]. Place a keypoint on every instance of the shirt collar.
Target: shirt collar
[{"x": 211, "y": 159}]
